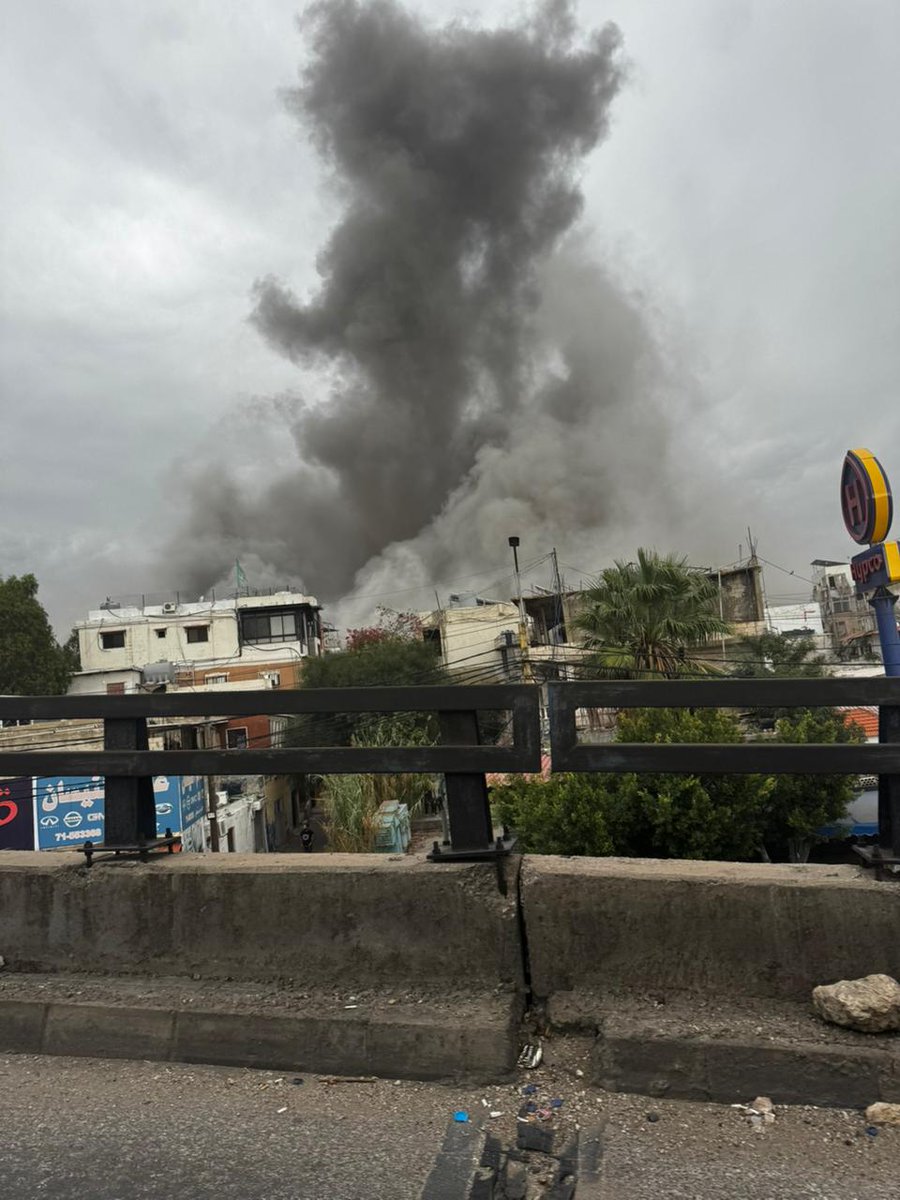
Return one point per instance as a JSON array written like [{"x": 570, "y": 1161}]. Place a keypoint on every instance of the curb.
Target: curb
[
  {"x": 729, "y": 1071},
  {"x": 433, "y": 1046}
]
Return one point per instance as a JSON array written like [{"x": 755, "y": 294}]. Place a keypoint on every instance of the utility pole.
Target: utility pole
[
  {"x": 558, "y": 588},
  {"x": 523, "y": 625}
]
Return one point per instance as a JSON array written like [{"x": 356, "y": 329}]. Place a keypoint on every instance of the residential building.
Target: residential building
[
  {"x": 238, "y": 642},
  {"x": 847, "y": 617},
  {"x": 479, "y": 638}
]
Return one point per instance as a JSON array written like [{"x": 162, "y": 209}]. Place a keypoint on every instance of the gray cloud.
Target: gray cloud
[
  {"x": 455, "y": 150},
  {"x": 743, "y": 205}
]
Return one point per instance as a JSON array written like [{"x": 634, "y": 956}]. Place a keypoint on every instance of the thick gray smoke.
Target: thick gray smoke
[{"x": 480, "y": 376}]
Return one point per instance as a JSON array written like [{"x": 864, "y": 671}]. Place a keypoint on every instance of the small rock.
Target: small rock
[
  {"x": 869, "y": 1005},
  {"x": 883, "y": 1114},
  {"x": 2, "y": 962},
  {"x": 652, "y": 1117},
  {"x": 766, "y": 1109},
  {"x": 579, "y": 1072},
  {"x": 196, "y": 977}
]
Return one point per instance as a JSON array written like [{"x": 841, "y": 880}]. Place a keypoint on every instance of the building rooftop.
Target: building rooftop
[{"x": 177, "y": 604}]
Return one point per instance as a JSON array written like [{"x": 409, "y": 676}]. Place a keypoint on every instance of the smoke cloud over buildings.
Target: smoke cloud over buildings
[{"x": 478, "y": 374}]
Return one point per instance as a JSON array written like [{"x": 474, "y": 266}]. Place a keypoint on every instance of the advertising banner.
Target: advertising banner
[
  {"x": 16, "y": 814},
  {"x": 70, "y": 811}
]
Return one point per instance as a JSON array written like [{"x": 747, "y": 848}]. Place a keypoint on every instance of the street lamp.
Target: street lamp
[{"x": 523, "y": 627}]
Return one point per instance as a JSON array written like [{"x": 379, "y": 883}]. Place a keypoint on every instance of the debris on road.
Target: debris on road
[{"x": 531, "y": 1056}]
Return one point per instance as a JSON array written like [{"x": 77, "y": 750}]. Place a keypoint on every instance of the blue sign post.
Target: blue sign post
[{"x": 868, "y": 508}]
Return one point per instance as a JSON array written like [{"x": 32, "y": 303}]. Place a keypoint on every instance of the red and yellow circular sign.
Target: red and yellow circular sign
[{"x": 866, "y": 500}]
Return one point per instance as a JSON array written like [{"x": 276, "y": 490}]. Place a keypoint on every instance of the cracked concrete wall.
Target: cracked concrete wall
[{"x": 320, "y": 920}]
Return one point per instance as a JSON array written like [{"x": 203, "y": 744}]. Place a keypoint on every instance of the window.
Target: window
[
  {"x": 216, "y": 678},
  {"x": 236, "y": 739},
  {"x": 197, "y": 633},
  {"x": 115, "y": 689},
  {"x": 269, "y": 627},
  {"x": 160, "y": 632},
  {"x": 113, "y": 641}
]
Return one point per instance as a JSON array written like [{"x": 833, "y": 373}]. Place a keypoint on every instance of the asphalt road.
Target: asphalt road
[
  {"x": 97, "y": 1129},
  {"x": 115, "y": 1130}
]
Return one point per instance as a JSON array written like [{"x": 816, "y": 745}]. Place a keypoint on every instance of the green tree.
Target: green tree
[
  {"x": 391, "y": 653},
  {"x": 777, "y": 654},
  {"x": 645, "y": 815},
  {"x": 32, "y": 663},
  {"x": 799, "y": 805},
  {"x": 650, "y": 616},
  {"x": 392, "y": 660},
  {"x": 562, "y": 815},
  {"x": 687, "y": 816},
  {"x": 71, "y": 652}
]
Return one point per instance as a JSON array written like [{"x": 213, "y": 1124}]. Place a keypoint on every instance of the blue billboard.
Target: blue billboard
[{"x": 70, "y": 811}]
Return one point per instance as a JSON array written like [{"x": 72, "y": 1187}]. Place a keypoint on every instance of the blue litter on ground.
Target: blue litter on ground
[
  {"x": 529, "y": 1089},
  {"x": 462, "y": 1116},
  {"x": 556, "y": 1103},
  {"x": 531, "y": 1106}
]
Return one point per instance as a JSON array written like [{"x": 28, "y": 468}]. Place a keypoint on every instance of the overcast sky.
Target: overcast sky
[{"x": 749, "y": 191}]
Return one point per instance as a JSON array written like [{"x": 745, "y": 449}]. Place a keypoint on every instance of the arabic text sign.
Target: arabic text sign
[
  {"x": 69, "y": 811},
  {"x": 193, "y": 800}
]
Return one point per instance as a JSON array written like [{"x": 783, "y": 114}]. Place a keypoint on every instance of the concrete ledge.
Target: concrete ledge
[
  {"x": 95, "y": 1031},
  {"x": 607, "y": 925},
  {"x": 191, "y": 1022},
  {"x": 786, "y": 1054},
  {"x": 342, "y": 919}
]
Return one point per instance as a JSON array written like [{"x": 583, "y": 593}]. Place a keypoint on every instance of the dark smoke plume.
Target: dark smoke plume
[{"x": 479, "y": 370}]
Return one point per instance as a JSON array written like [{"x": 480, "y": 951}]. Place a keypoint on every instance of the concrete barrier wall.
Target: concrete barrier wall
[
  {"x": 320, "y": 920},
  {"x": 606, "y": 926},
  {"x": 593, "y": 925}
]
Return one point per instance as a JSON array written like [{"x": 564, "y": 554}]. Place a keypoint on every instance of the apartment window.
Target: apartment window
[
  {"x": 160, "y": 633},
  {"x": 216, "y": 678},
  {"x": 197, "y": 633},
  {"x": 113, "y": 640},
  {"x": 236, "y": 739},
  {"x": 269, "y": 627}
]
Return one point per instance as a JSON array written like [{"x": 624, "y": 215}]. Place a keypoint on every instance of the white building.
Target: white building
[{"x": 243, "y": 641}]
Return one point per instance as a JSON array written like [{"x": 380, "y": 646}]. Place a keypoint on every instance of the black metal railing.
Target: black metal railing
[
  {"x": 764, "y": 756},
  {"x": 128, "y": 765}
]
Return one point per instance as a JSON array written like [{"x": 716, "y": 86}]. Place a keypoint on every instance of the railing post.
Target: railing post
[
  {"x": 889, "y": 787},
  {"x": 130, "y": 806},
  {"x": 468, "y": 808}
]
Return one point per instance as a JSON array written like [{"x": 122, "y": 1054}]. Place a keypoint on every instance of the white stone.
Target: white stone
[{"x": 870, "y": 1005}]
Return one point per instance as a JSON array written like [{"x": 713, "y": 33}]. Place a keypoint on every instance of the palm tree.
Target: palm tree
[{"x": 649, "y": 616}]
